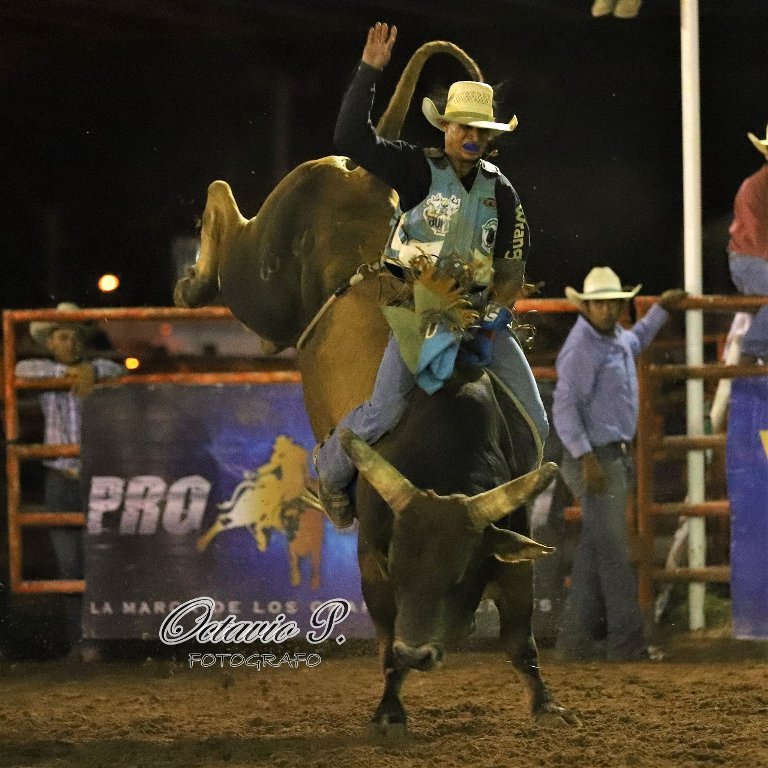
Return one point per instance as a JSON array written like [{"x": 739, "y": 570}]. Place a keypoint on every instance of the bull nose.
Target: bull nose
[{"x": 423, "y": 657}]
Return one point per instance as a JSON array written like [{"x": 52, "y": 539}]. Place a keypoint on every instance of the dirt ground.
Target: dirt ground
[{"x": 705, "y": 705}]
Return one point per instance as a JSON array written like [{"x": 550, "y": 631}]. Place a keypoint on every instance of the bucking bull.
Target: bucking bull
[{"x": 426, "y": 557}]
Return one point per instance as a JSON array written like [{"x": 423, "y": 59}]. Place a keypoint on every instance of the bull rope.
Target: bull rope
[{"x": 340, "y": 291}]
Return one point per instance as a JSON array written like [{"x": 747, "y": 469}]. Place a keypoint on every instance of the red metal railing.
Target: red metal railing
[
  {"x": 21, "y": 516},
  {"x": 650, "y": 444}
]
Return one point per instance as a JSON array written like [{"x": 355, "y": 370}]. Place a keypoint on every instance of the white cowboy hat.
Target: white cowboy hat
[
  {"x": 761, "y": 145},
  {"x": 468, "y": 103},
  {"x": 600, "y": 284},
  {"x": 40, "y": 330}
]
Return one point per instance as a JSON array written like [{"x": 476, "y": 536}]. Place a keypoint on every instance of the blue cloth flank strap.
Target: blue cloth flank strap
[{"x": 436, "y": 360}]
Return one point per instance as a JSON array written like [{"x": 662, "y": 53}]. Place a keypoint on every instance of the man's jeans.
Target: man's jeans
[
  {"x": 750, "y": 276},
  {"x": 394, "y": 383},
  {"x": 603, "y": 595},
  {"x": 63, "y": 494}
]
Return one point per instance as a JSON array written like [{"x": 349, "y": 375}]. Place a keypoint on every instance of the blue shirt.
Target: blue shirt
[{"x": 595, "y": 399}]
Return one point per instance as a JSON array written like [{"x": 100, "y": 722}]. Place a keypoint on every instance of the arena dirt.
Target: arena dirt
[{"x": 706, "y": 705}]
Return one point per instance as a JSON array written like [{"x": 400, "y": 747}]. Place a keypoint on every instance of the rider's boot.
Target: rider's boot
[{"x": 337, "y": 504}]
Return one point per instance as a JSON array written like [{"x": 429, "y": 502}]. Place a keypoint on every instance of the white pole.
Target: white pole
[{"x": 689, "y": 75}]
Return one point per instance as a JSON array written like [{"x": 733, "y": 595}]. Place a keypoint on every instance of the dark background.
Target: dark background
[{"x": 117, "y": 115}]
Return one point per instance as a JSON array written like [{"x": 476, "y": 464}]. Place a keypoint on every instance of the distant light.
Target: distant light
[
  {"x": 132, "y": 363},
  {"x": 108, "y": 283}
]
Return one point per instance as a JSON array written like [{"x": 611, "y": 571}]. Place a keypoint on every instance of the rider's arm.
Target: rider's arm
[
  {"x": 398, "y": 164},
  {"x": 513, "y": 241}
]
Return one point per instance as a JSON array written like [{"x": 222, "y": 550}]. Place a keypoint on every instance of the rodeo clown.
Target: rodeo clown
[{"x": 459, "y": 213}]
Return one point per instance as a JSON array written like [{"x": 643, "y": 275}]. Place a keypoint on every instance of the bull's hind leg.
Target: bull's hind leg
[
  {"x": 222, "y": 222},
  {"x": 515, "y": 604},
  {"x": 389, "y": 720}
]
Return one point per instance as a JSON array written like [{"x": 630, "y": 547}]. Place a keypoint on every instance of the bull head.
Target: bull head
[{"x": 481, "y": 510}]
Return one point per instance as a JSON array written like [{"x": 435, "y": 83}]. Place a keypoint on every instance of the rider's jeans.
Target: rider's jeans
[{"x": 389, "y": 400}]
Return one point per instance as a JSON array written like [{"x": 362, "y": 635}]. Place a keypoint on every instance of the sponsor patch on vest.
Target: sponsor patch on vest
[
  {"x": 438, "y": 212},
  {"x": 489, "y": 202},
  {"x": 489, "y": 234}
]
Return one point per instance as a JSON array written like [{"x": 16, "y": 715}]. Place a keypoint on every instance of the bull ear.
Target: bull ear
[
  {"x": 488, "y": 507},
  {"x": 393, "y": 487},
  {"x": 511, "y": 547}
]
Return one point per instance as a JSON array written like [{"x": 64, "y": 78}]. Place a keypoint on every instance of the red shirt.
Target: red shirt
[{"x": 749, "y": 230}]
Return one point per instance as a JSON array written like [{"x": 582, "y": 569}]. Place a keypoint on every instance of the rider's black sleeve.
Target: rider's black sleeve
[{"x": 398, "y": 164}]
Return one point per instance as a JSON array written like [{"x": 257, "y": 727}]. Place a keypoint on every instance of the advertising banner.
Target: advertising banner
[
  {"x": 747, "y": 459},
  {"x": 196, "y": 491}
]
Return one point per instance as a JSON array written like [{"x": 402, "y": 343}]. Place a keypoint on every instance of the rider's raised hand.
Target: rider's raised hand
[{"x": 378, "y": 46}]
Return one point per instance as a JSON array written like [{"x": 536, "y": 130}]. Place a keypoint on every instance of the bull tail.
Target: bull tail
[{"x": 391, "y": 122}]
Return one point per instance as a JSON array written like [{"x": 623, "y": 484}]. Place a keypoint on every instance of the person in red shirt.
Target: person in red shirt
[{"x": 748, "y": 251}]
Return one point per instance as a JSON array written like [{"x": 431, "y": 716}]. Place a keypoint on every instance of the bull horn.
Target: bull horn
[
  {"x": 488, "y": 507},
  {"x": 392, "y": 486},
  {"x": 513, "y": 547}
]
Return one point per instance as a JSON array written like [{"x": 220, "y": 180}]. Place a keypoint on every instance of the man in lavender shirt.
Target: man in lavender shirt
[
  {"x": 65, "y": 342},
  {"x": 595, "y": 415}
]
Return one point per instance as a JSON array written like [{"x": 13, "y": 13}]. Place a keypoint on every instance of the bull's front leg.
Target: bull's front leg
[
  {"x": 389, "y": 720},
  {"x": 515, "y": 604}
]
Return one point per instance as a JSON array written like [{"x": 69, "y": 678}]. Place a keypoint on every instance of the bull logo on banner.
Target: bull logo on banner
[{"x": 272, "y": 499}]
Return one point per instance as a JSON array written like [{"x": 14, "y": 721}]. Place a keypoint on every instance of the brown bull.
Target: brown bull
[{"x": 425, "y": 559}]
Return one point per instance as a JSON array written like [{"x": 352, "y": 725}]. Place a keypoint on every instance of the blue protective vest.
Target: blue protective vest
[{"x": 450, "y": 222}]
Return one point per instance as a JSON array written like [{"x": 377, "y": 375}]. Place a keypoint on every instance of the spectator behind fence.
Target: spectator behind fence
[
  {"x": 66, "y": 342},
  {"x": 595, "y": 414},
  {"x": 748, "y": 251}
]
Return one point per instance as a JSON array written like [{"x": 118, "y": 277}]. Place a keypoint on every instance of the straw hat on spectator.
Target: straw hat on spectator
[
  {"x": 40, "y": 330},
  {"x": 601, "y": 284}
]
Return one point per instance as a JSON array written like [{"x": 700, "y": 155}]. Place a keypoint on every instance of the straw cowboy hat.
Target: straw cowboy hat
[
  {"x": 600, "y": 284},
  {"x": 468, "y": 103},
  {"x": 40, "y": 330},
  {"x": 761, "y": 145}
]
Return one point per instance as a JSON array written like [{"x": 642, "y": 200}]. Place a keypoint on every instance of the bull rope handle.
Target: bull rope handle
[{"x": 340, "y": 291}]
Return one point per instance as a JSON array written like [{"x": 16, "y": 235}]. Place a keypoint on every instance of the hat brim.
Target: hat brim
[
  {"x": 760, "y": 145},
  {"x": 40, "y": 330},
  {"x": 604, "y": 295},
  {"x": 433, "y": 115}
]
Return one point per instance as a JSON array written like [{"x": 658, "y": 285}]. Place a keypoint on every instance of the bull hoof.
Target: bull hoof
[
  {"x": 192, "y": 291},
  {"x": 383, "y": 730},
  {"x": 554, "y": 716}
]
